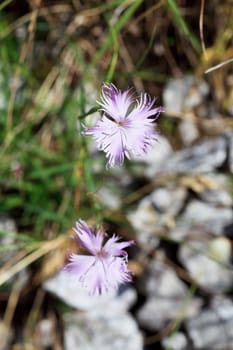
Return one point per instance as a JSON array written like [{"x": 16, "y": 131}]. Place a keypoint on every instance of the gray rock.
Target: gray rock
[
  {"x": 157, "y": 157},
  {"x": 177, "y": 341},
  {"x": 144, "y": 220},
  {"x": 155, "y": 213},
  {"x": 181, "y": 95},
  {"x": 103, "y": 323},
  {"x": 220, "y": 249},
  {"x": 7, "y": 238},
  {"x": 7, "y": 224},
  {"x": 166, "y": 298},
  {"x": 211, "y": 275},
  {"x": 200, "y": 212},
  {"x": 230, "y": 156},
  {"x": 217, "y": 197},
  {"x": 106, "y": 331},
  {"x": 201, "y": 218},
  {"x": 197, "y": 211},
  {"x": 169, "y": 199},
  {"x": 212, "y": 329},
  {"x": 217, "y": 191},
  {"x": 188, "y": 132},
  {"x": 201, "y": 158},
  {"x": 45, "y": 333},
  {"x": 183, "y": 230},
  {"x": 72, "y": 293}
]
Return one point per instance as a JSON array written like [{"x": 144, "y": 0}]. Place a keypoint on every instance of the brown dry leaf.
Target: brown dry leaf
[
  {"x": 53, "y": 262},
  {"x": 199, "y": 183},
  {"x": 136, "y": 267},
  {"x": 5, "y": 336},
  {"x": 23, "y": 347}
]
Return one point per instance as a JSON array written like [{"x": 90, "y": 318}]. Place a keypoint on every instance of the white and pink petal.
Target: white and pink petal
[{"x": 115, "y": 248}]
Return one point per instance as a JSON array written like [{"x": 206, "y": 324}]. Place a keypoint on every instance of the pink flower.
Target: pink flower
[
  {"x": 127, "y": 126},
  {"x": 105, "y": 266}
]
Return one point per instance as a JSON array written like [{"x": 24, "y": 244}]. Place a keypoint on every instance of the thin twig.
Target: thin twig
[
  {"x": 59, "y": 8},
  {"x": 219, "y": 65},
  {"x": 201, "y": 20}
]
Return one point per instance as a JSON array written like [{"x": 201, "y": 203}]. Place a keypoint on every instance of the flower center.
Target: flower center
[
  {"x": 102, "y": 254},
  {"x": 99, "y": 254}
]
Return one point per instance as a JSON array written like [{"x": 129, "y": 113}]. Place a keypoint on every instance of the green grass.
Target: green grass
[{"x": 182, "y": 25}]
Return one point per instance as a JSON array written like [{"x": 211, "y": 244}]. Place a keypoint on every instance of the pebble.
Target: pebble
[
  {"x": 182, "y": 94},
  {"x": 200, "y": 218},
  {"x": 176, "y": 341},
  {"x": 169, "y": 199},
  {"x": 188, "y": 131},
  {"x": 101, "y": 322},
  {"x": 68, "y": 289},
  {"x": 212, "y": 328},
  {"x": 201, "y": 158},
  {"x": 217, "y": 197},
  {"x": 144, "y": 220},
  {"x": 220, "y": 249},
  {"x": 166, "y": 295},
  {"x": 44, "y": 333},
  {"x": 157, "y": 157},
  {"x": 213, "y": 276},
  {"x": 230, "y": 155},
  {"x": 106, "y": 332},
  {"x": 8, "y": 226}
]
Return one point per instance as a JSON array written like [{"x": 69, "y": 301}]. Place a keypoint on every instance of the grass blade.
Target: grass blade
[{"x": 180, "y": 22}]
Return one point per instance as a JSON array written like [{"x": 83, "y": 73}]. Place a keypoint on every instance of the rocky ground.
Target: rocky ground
[
  {"x": 176, "y": 203},
  {"x": 181, "y": 296}
]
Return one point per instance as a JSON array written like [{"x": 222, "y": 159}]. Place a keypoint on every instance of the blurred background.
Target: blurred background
[{"x": 176, "y": 203}]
